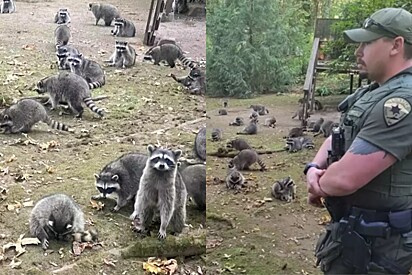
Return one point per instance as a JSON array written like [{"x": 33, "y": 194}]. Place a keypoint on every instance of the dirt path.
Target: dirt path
[
  {"x": 261, "y": 235},
  {"x": 141, "y": 100}
]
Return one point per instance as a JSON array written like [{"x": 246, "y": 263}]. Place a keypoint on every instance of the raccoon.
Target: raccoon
[
  {"x": 326, "y": 128},
  {"x": 298, "y": 143},
  {"x": 181, "y": 6},
  {"x": 55, "y": 216},
  {"x": 246, "y": 158},
  {"x": 20, "y": 117},
  {"x": 254, "y": 115},
  {"x": 7, "y": 6},
  {"x": 251, "y": 129},
  {"x": 123, "y": 28},
  {"x": 162, "y": 41},
  {"x": 234, "y": 179},
  {"x": 121, "y": 177},
  {"x": 194, "y": 82},
  {"x": 259, "y": 109},
  {"x": 200, "y": 144},
  {"x": 62, "y": 53},
  {"x": 86, "y": 236},
  {"x": 222, "y": 112},
  {"x": 270, "y": 122},
  {"x": 238, "y": 144},
  {"x": 62, "y": 17},
  {"x": 225, "y": 102},
  {"x": 62, "y": 35},
  {"x": 299, "y": 113},
  {"x": 90, "y": 70},
  {"x": 284, "y": 190},
  {"x": 295, "y": 132},
  {"x": 71, "y": 88},
  {"x": 318, "y": 124},
  {"x": 106, "y": 12},
  {"x": 168, "y": 52},
  {"x": 217, "y": 134},
  {"x": 237, "y": 122},
  {"x": 124, "y": 55},
  {"x": 194, "y": 177},
  {"x": 162, "y": 188}
]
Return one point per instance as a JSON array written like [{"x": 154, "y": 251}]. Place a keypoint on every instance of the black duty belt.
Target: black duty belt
[{"x": 374, "y": 223}]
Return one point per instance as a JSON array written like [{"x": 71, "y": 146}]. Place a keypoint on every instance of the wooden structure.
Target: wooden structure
[
  {"x": 157, "y": 7},
  {"x": 323, "y": 33}
]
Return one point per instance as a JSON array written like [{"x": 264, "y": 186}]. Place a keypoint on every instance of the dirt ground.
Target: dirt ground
[
  {"x": 141, "y": 100},
  {"x": 250, "y": 232}
]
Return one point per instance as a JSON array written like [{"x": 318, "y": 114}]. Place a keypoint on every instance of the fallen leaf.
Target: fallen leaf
[
  {"x": 110, "y": 262},
  {"x": 11, "y": 159},
  {"x": 15, "y": 263},
  {"x": 158, "y": 266},
  {"x": 98, "y": 205},
  {"x": 28, "y": 204}
]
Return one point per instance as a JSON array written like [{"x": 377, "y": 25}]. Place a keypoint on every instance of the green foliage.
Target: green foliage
[
  {"x": 354, "y": 13},
  {"x": 253, "y": 47}
]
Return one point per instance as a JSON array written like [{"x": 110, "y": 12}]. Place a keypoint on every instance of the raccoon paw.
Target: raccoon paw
[
  {"x": 115, "y": 209},
  {"x": 161, "y": 235},
  {"x": 97, "y": 197},
  {"x": 45, "y": 244}
]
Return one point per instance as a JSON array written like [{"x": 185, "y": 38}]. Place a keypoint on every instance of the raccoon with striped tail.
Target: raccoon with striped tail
[
  {"x": 56, "y": 216},
  {"x": 168, "y": 52},
  {"x": 124, "y": 55},
  {"x": 20, "y": 117},
  {"x": 90, "y": 70},
  {"x": 106, "y": 12},
  {"x": 123, "y": 28},
  {"x": 62, "y": 16},
  {"x": 62, "y": 53},
  {"x": 62, "y": 35},
  {"x": 161, "y": 187},
  {"x": 71, "y": 88},
  {"x": 245, "y": 159},
  {"x": 7, "y": 6},
  {"x": 121, "y": 177}
]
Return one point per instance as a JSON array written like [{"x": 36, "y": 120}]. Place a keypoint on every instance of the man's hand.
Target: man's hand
[{"x": 312, "y": 181}]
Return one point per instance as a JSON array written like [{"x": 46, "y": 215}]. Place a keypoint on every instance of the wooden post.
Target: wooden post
[{"x": 147, "y": 34}]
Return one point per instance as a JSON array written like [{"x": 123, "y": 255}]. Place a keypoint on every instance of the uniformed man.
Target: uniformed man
[{"x": 368, "y": 190}]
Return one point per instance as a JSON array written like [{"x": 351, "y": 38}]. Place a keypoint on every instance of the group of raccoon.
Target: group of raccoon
[
  {"x": 284, "y": 190},
  {"x": 158, "y": 182}
]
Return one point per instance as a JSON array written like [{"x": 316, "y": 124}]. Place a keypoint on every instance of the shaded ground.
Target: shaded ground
[
  {"x": 141, "y": 100},
  {"x": 260, "y": 235}
]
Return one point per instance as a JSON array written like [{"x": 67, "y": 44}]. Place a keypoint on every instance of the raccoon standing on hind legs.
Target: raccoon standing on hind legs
[
  {"x": 7, "y": 6},
  {"x": 161, "y": 188},
  {"x": 90, "y": 70}
]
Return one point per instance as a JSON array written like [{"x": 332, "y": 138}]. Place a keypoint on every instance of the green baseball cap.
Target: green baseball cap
[{"x": 388, "y": 22}]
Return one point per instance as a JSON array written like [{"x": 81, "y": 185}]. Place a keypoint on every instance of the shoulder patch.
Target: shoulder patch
[{"x": 395, "y": 109}]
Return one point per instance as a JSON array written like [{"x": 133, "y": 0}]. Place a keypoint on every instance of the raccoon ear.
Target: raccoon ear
[
  {"x": 80, "y": 54},
  {"x": 179, "y": 164},
  {"x": 6, "y": 116},
  {"x": 177, "y": 153},
  {"x": 115, "y": 177},
  {"x": 68, "y": 226},
  {"x": 150, "y": 148},
  {"x": 51, "y": 223},
  {"x": 97, "y": 176}
]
